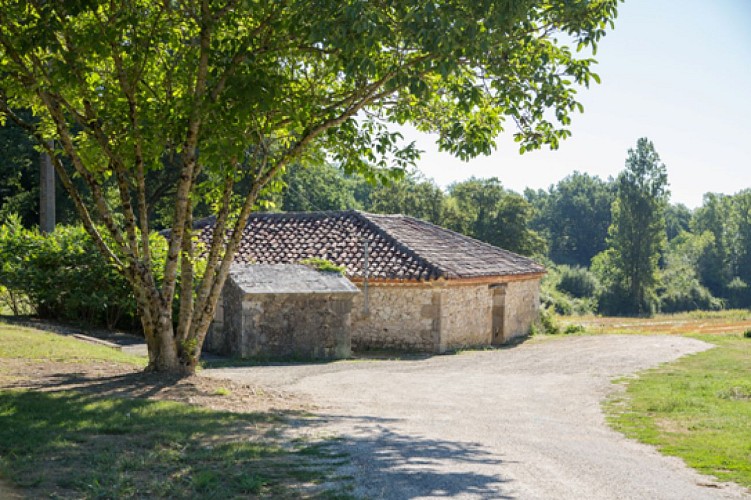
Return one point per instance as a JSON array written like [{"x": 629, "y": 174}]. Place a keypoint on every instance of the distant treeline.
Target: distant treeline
[{"x": 615, "y": 246}]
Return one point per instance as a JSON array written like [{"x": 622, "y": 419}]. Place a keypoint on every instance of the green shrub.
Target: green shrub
[
  {"x": 695, "y": 297},
  {"x": 573, "y": 329},
  {"x": 552, "y": 297},
  {"x": 323, "y": 265},
  {"x": 548, "y": 323},
  {"x": 577, "y": 282},
  {"x": 739, "y": 293},
  {"x": 747, "y": 334},
  {"x": 64, "y": 276}
]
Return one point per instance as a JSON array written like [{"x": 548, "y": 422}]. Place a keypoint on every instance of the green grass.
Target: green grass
[
  {"x": 34, "y": 345},
  {"x": 697, "y": 408},
  {"x": 79, "y": 445}
]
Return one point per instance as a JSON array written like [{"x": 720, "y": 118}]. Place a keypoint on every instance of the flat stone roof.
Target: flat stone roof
[{"x": 259, "y": 279}]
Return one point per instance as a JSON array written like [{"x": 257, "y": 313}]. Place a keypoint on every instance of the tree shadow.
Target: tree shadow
[{"x": 389, "y": 464}]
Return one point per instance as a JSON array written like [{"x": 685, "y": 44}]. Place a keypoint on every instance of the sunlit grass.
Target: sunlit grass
[
  {"x": 697, "y": 408},
  {"x": 34, "y": 345},
  {"x": 734, "y": 321}
]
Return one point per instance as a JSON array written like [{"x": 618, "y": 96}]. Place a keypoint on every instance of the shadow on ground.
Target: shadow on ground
[
  {"x": 75, "y": 433},
  {"x": 392, "y": 465}
]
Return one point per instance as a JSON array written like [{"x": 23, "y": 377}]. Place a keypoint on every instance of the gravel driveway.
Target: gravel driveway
[{"x": 523, "y": 422}]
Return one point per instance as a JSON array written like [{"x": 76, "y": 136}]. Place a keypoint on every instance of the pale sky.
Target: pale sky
[{"x": 675, "y": 71}]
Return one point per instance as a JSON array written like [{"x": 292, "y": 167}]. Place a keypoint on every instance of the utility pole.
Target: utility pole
[{"x": 46, "y": 194}]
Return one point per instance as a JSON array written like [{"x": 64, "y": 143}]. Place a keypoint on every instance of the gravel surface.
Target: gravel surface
[{"x": 523, "y": 422}]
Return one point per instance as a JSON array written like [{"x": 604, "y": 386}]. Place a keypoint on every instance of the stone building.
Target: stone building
[
  {"x": 424, "y": 288},
  {"x": 283, "y": 311}
]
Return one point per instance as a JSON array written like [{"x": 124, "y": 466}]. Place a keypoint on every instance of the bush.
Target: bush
[
  {"x": 64, "y": 276},
  {"x": 547, "y": 323},
  {"x": 552, "y": 297},
  {"x": 574, "y": 329},
  {"x": 739, "y": 294},
  {"x": 577, "y": 282},
  {"x": 694, "y": 298},
  {"x": 747, "y": 334}
]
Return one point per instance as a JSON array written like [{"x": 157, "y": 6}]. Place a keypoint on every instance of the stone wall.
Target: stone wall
[
  {"x": 402, "y": 318},
  {"x": 466, "y": 316},
  {"x": 297, "y": 326},
  {"x": 429, "y": 318},
  {"x": 522, "y": 307}
]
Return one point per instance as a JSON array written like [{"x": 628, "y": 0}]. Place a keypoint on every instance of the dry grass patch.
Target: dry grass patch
[{"x": 693, "y": 323}]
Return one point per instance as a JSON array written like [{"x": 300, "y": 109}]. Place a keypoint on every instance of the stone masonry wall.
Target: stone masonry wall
[
  {"x": 522, "y": 307},
  {"x": 466, "y": 316},
  {"x": 303, "y": 326},
  {"x": 403, "y": 318}
]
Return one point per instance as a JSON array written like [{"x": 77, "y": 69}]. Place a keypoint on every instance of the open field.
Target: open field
[
  {"x": 692, "y": 323},
  {"x": 81, "y": 421}
]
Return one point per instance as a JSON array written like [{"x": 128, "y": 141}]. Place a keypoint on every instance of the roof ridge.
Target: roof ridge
[{"x": 365, "y": 216}]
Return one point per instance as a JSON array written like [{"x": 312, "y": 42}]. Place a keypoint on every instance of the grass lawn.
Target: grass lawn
[
  {"x": 697, "y": 408},
  {"x": 62, "y": 443},
  {"x": 35, "y": 345}
]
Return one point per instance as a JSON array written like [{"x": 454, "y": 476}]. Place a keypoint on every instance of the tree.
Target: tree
[
  {"x": 413, "y": 195},
  {"x": 233, "y": 92},
  {"x": 629, "y": 267},
  {"x": 677, "y": 220},
  {"x": 725, "y": 265},
  {"x": 319, "y": 186},
  {"x": 575, "y": 216},
  {"x": 490, "y": 213}
]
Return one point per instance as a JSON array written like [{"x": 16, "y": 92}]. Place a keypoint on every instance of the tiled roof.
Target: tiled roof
[{"x": 399, "y": 247}]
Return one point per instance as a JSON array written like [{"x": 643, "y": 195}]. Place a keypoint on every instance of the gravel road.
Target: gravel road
[{"x": 523, "y": 422}]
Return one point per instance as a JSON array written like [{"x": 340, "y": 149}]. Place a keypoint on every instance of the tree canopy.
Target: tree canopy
[
  {"x": 225, "y": 93},
  {"x": 637, "y": 234}
]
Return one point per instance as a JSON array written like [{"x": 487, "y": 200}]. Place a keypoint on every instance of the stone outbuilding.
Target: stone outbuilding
[
  {"x": 286, "y": 311},
  {"x": 423, "y": 287}
]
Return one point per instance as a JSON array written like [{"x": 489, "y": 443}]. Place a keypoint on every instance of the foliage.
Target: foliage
[
  {"x": 559, "y": 301},
  {"x": 577, "y": 281},
  {"x": 575, "y": 216},
  {"x": 547, "y": 324},
  {"x": 323, "y": 265},
  {"x": 64, "y": 277},
  {"x": 628, "y": 268},
  {"x": 696, "y": 408},
  {"x": 490, "y": 213},
  {"x": 574, "y": 329},
  {"x": 218, "y": 95},
  {"x": 317, "y": 186},
  {"x": 413, "y": 195},
  {"x": 677, "y": 220},
  {"x": 680, "y": 288},
  {"x": 726, "y": 264}
]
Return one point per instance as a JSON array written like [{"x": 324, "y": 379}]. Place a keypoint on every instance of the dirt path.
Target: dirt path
[{"x": 514, "y": 423}]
